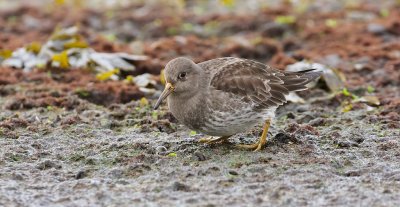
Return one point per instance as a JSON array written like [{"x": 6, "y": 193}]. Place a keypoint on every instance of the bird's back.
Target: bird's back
[{"x": 255, "y": 82}]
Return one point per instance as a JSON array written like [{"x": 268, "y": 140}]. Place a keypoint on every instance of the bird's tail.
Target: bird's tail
[{"x": 297, "y": 81}]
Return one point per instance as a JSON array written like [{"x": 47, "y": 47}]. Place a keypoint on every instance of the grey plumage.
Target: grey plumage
[{"x": 225, "y": 96}]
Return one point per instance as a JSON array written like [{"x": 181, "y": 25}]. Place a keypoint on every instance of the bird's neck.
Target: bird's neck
[{"x": 189, "y": 110}]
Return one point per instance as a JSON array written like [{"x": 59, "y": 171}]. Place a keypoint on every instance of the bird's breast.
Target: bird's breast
[{"x": 191, "y": 112}]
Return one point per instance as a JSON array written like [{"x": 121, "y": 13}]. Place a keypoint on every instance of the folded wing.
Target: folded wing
[{"x": 258, "y": 83}]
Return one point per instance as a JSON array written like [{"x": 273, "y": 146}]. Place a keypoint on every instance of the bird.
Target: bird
[{"x": 225, "y": 96}]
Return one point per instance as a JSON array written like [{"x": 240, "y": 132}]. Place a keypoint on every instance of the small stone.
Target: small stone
[
  {"x": 211, "y": 171},
  {"x": 387, "y": 191},
  {"x": 376, "y": 28},
  {"x": 200, "y": 156},
  {"x": 283, "y": 138},
  {"x": 17, "y": 176},
  {"x": 137, "y": 169},
  {"x": 290, "y": 115},
  {"x": 177, "y": 186},
  {"x": 302, "y": 108},
  {"x": 81, "y": 174},
  {"x": 232, "y": 172},
  {"x": 305, "y": 118},
  {"x": 116, "y": 173},
  {"x": 359, "y": 139},
  {"x": 47, "y": 164},
  {"x": 317, "y": 122},
  {"x": 161, "y": 150},
  {"x": 332, "y": 60},
  {"x": 344, "y": 144},
  {"x": 352, "y": 173},
  {"x": 273, "y": 29},
  {"x": 191, "y": 200}
]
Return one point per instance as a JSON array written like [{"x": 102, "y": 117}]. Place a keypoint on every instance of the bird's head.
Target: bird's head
[{"x": 183, "y": 78}]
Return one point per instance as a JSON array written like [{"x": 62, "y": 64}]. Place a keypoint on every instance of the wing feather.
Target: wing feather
[{"x": 255, "y": 82}]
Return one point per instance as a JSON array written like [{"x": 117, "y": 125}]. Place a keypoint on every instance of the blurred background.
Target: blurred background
[
  {"x": 78, "y": 80},
  {"x": 125, "y": 44}
]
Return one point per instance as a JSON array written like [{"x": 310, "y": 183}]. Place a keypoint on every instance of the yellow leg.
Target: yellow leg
[
  {"x": 261, "y": 142},
  {"x": 210, "y": 140}
]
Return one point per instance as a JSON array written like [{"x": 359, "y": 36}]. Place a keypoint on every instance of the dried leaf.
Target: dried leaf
[
  {"x": 384, "y": 12},
  {"x": 13, "y": 62},
  {"x": 162, "y": 77},
  {"x": 154, "y": 114},
  {"x": 347, "y": 107},
  {"x": 116, "y": 60},
  {"x": 129, "y": 79},
  {"x": 61, "y": 59},
  {"x": 75, "y": 44},
  {"x": 172, "y": 154},
  {"x": 333, "y": 78},
  {"x": 82, "y": 92},
  {"x": 107, "y": 75},
  {"x": 144, "y": 80},
  {"x": 59, "y": 2},
  {"x": 147, "y": 90},
  {"x": 65, "y": 34},
  {"x": 370, "y": 89},
  {"x": 346, "y": 92},
  {"x": 34, "y": 47},
  {"x": 227, "y": 3},
  {"x": 289, "y": 19},
  {"x": 5, "y": 54},
  {"x": 331, "y": 23},
  {"x": 371, "y": 100},
  {"x": 143, "y": 102},
  {"x": 294, "y": 98},
  {"x": 64, "y": 49}
]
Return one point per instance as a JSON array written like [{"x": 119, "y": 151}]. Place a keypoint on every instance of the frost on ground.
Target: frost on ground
[{"x": 315, "y": 157}]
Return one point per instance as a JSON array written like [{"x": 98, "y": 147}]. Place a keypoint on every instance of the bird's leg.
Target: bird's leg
[
  {"x": 211, "y": 140},
  {"x": 261, "y": 142}
]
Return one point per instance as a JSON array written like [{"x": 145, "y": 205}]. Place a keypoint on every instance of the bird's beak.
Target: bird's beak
[{"x": 169, "y": 88}]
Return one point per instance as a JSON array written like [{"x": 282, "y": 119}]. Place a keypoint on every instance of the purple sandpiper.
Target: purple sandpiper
[{"x": 225, "y": 96}]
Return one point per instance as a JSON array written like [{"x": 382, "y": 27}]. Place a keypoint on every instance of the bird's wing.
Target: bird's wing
[{"x": 256, "y": 82}]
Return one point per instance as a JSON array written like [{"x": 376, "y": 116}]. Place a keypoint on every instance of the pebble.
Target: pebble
[
  {"x": 344, "y": 144},
  {"x": 283, "y": 138},
  {"x": 200, "y": 156},
  {"x": 116, "y": 173},
  {"x": 161, "y": 150},
  {"x": 178, "y": 186},
  {"x": 317, "y": 122},
  {"x": 376, "y": 28},
  {"x": 81, "y": 174},
  {"x": 17, "y": 176},
  {"x": 272, "y": 29},
  {"x": 47, "y": 164},
  {"x": 302, "y": 108}
]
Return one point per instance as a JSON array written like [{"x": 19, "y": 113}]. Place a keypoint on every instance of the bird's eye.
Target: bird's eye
[{"x": 182, "y": 75}]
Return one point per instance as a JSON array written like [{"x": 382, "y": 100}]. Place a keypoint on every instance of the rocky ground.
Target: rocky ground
[{"x": 70, "y": 139}]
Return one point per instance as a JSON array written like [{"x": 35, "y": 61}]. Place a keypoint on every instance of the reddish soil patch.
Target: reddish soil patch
[{"x": 364, "y": 48}]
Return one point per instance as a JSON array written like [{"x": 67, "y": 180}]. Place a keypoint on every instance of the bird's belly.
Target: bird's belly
[{"x": 230, "y": 123}]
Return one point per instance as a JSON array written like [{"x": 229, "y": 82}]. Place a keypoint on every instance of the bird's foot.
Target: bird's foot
[
  {"x": 255, "y": 147},
  {"x": 211, "y": 140},
  {"x": 261, "y": 142}
]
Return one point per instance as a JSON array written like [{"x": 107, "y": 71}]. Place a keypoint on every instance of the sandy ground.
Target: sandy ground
[{"x": 338, "y": 160}]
